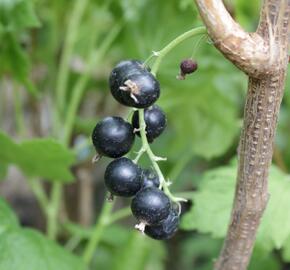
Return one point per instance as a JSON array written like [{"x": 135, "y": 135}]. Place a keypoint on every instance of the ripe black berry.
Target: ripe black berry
[
  {"x": 121, "y": 71},
  {"x": 150, "y": 179},
  {"x": 166, "y": 229},
  {"x": 113, "y": 137},
  {"x": 123, "y": 177},
  {"x": 150, "y": 206},
  {"x": 155, "y": 121},
  {"x": 133, "y": 85},
  {"x": 140, "y": 90},
  {"x": 187, "y": 66}
]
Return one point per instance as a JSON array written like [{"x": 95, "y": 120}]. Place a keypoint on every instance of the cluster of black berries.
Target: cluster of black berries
[{"x": 133, "y": 85}]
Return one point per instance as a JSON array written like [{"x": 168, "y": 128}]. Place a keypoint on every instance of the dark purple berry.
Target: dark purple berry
[
  {"x": 140, "y": 90},
  {"x": 150, "y": 179},
  {"x": 133, "y": 85},
  {"x": 166, "y": 229},
  {"x": 123, "y": 177},
  {"x": 113, "y": 137},
  {"x": 123, "y": 70},
  {"x": 150, "y": 206},
  {"x": 155, "y": 121},
  {"x": 187, "y": 66}
]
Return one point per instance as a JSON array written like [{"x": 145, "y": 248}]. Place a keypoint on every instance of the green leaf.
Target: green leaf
[
  {"x": 25, "y": 249},
  {"x": 262, "y": 260},
  {"x": 39, "y": 157},
  {"x": 8, "y": 219},
  {"x": 18, "y": 14},
  {"x": 137, "y": 253},
  {"x": 15, "y": 16},
  {"x": 286, "y": 251},
  {"x": 213, "y": 201}
]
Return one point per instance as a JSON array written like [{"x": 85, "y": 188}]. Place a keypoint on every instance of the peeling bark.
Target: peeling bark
[{"x": 262, "y": 55}]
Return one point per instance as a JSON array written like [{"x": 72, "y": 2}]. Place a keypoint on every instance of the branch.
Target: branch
[
  {"x": 248, "y": 51},
  {"x": 264, "y": 57}
]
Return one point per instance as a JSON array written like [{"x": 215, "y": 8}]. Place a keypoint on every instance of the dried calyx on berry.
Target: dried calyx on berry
[{"x": 187, "y": 66}]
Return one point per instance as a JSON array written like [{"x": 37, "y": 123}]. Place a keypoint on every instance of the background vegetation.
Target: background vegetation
[{"x": 55, "y": 58}]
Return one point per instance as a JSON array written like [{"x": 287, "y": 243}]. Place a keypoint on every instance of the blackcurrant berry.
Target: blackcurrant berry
[
  {"x": 113, "y": 137},
  {"x": 133, "y": 85},
  {"x": 150, "y": 206},
  {"x": 122, "y": 70},
  {"x": 187, "y": 66},
  {"x": 166, "y": 229},
  {"x": 150, "y": 179},
  {"x": 140, "y": 90},
  {"x": 155, "y": 121},
  {"x": 123, "y": 177}
]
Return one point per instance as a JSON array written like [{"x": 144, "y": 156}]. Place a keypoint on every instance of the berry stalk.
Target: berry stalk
[
  {"x": 162, "y": 53},
  {"x": 146, "y": 148}
]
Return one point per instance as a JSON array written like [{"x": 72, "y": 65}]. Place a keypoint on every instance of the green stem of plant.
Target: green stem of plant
[
  {"x": 180, "y": 164},
  {"x": 72, "y": 32},
  {"x": 39, "y": 193},
  {"x": 162, "y": 53},
  {"x": 146, "y": 148},
  {"x": 98, "y": 230},
  {"x": 19, "y": 119},
  {"x": 52, "y": 222},
  {"x": 145, "y": 145},
  {"x": 77, "y": 94},
  {"x": 120, "y": 214},
  {"x": 79, "y": 87}
]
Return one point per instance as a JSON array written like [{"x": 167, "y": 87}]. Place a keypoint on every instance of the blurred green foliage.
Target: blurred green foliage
[{"x": 204, "y": 119}]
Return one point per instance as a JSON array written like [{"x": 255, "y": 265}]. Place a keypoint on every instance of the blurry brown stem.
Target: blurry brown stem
[{"x": 263, "y": 56}]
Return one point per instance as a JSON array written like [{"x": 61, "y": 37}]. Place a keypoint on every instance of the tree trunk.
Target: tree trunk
[{"x": 263, "y": 56}]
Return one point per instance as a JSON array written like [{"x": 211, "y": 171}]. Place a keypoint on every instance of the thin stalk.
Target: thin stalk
[
  {"x": 179, "y": 166},
  {"x": 19, "y": 119},
  {"x": 52, "y": 222},
  {"x": 153, "y": 158},
  {"x": 80, "y": 85},
  {"x": 120, "y": 214},
  {"x": 72, "y": 32},
  {"x": 162, "y": 53},
  {"x": 39, "y": 193},
  {"x": 77, "y": 95},
  {"x": 98, "y": 230}
]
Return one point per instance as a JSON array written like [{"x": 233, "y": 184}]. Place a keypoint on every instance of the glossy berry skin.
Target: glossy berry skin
[
  {"x": 166, "y": 229},
  {"x": 122, "y": 70},
  {"x": 150, "y": 206},
  {"x": 155, "y": 121},
  {"x": 150, "y": 179},
  {"x": 123, "y": 177},
  {"x": 133, "y": 85},
  {"x": 142, "y": 90},
  {"x": 113, "y": 137}
]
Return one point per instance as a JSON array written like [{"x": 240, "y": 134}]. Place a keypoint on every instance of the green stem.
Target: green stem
[
  {"x": 52, "y": 222},
  {"x": 72, "y": 32},
  {"x": 120, "y": 214},
  {"x": 162, "y": 53},
  {"x": 179, "y": 166},
  {"x": 39, "y": 193},
  {"x": 73, "y": 242},
  {"x": 79, "y": 87},
  {"x": 77, "y": 94},
  {"x": 153, "y": 158},
  {"x": 19, "y": 119},
  {"x": 98, "y": 230}
]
